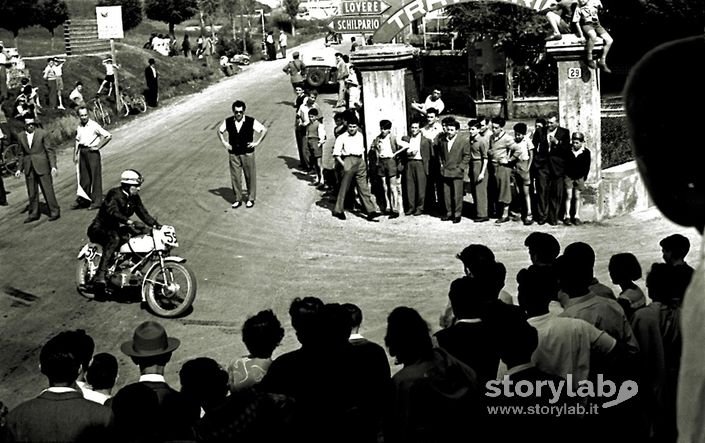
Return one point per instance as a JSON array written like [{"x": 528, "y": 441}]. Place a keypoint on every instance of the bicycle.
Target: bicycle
[
  {"x": 128, "y": 102},
  {"x": 9, "y": 161},
  {"x": 100, "y": 113}
]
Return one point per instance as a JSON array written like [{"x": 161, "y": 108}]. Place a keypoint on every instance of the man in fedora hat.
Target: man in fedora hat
[{"x": 151, "y": 349}]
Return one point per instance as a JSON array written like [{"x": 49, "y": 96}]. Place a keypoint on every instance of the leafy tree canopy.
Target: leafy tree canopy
[
  {"x": 52, "y": 13},
  {"x": 171, "y": 12},
  {"x": 17, "y": 14}
]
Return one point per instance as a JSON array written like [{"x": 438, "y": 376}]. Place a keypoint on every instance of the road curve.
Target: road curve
[{"x": 245, "y": 260}]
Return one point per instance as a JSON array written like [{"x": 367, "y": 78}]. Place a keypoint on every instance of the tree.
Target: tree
[
  {"x": 171, "y": 12},
  {"x": 208, "y": 9},
  {"x": 292, "y": 9},
  {"x": 234, "y": 7},
  {"x": 516, "y": 31},
  {"x": 131, "y": 11},
  {"x": 50, "y": 14},
  {"x": 16, "y": 15}
]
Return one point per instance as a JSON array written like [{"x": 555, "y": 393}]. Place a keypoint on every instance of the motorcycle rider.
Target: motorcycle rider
[{"x": 112, "y": 224}]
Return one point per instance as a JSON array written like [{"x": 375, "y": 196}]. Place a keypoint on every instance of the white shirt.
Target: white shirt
[
  {"x": 109, "y": 68},
  {"x": 30, "y": 137},
  {"x": 384, "y": 147},
  {"x": 347, "y": 144},
  {"x": 257, "y": 126},
  {"x": 90, "y": 134},
  {"x": 450, "y": 142},
  {"x": 90, "y": 394},
  {"x": 415, "y": 147},
  {"x": 157, "y": 378},
  {"x": 431, "y": 132},
  {"x": 282, "y": 39},
  {"x": 75, "y": 95},
  {"x": 437, "y": 104}
]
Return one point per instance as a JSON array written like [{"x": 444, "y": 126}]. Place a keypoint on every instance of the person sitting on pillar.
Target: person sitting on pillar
[
  {"x": 577, "y": 168},
  {"x": 432, "y": 101},
  {"x": 589, "y": 27},
  {"x": 559, "y": 14}
]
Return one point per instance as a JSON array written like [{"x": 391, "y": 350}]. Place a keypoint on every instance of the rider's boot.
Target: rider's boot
[{"x": 99, "y": 279}]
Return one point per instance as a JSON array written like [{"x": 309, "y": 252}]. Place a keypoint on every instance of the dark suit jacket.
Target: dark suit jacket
[
  {"x": 40, "y": 156},
  {"x": 455, "y": 162},
  {"x": 174, "y": 417},
  {"x": 551, "y": 159},
  {"x": 150, "y": 77},
  {"x": 426, "y": 148},
  {"x": 59, "y": 417}
]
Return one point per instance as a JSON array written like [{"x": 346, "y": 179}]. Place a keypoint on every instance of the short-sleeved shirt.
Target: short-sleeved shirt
[
  {"x": 438, "y": 104},
  {"x": 282, "y": 39},
  {"x": 566, "y": 344},
  {"x": 431, "y": 132},
  {"x": 478, "y": 148},
  {"x": 500, "y": 148},
  {"x": 588, "y": 13},
  {"x": 90, "y": 134},
  {"x": 521, "y": 152},
  {"x": 256, "y": 126},
  {"x": 76, "y": 96},
  {"x": 347, "y": 144}
]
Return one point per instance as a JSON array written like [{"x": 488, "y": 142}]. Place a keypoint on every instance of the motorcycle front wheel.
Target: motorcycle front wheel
[{"x": 169, "y": 293}]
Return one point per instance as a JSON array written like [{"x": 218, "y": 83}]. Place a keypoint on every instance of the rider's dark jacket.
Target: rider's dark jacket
[{"x": 118, "y": 207}]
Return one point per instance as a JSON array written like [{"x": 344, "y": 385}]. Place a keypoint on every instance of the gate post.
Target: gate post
[
  {"x": 579, "y": 109},
  {"x": 384, "y": 74}
]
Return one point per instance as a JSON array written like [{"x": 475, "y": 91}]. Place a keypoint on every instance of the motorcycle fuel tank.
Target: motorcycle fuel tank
[{"x": 140, "y": 243}]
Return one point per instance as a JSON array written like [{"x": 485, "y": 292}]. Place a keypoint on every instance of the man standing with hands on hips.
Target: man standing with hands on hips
[
  {"x": 37, "y": 161},
  {"x": 90, "y": 139},
  {"x": 241, "y": 145}
]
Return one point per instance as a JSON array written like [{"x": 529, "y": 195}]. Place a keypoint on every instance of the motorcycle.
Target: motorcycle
[
  {"x": 168, "y": 286},
  {"x": 240, "y": 59}
]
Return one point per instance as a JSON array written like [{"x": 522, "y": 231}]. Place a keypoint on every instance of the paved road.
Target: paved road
[{"x": 288, "y": 245}]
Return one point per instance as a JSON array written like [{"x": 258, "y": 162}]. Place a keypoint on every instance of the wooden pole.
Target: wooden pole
[{"x": 117, "y": 90}]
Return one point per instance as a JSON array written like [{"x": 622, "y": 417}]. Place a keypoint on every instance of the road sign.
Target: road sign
[
  {"x": 363, "y": 7},
  {"x": 355, "y": 24},
  {"x": 109, "y": 22}
]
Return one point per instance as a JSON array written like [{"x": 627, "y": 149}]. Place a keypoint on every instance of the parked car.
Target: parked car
[{"x": 320, "y": 67}]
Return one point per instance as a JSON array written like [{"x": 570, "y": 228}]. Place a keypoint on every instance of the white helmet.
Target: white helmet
[{"x": 131, "y": 177}]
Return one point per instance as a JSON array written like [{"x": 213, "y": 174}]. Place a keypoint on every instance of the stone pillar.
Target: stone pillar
[
  {"x": 383, "y": 68},
  {"x": 579, "y": 109}
]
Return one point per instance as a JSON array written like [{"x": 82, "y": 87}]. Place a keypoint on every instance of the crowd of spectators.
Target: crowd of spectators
[{"x": 567, "y": 328}]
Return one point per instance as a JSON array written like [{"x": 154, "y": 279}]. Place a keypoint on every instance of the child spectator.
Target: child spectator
[
  {"x": 261, "y": 334},
  {"x": 109, "y": 79},
  {"x": 558, "y": 14},
  {"x": 315, "y": 139},
  {"x": 521, "y": 154},
  {"x": 577, "y": 168},
  {"x": 674, "y": 249},
  {"x": 101, "y": 377},
  {"x": 76, "y": 96},
  {"x": 385, "y": 147},
  {"x": 34, "y": 94},
  {"x": 624, "y": 269},
  {"x": 589, "y": 27}
]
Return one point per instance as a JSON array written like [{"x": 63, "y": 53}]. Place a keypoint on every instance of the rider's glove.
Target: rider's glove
[{"x": 157, "y": 226}]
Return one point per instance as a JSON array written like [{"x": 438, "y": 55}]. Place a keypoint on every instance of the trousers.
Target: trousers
[{"x": 243, "y": 164}]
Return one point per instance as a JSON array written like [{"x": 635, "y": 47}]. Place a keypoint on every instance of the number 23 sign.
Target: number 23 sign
[{"x": 575, "y": 73}]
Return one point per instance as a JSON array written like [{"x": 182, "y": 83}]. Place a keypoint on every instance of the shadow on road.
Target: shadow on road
[
  {"x": 284, "y": 102},
  {"x": 293, "y": 164},
  {"x": 226, "y": 194}
]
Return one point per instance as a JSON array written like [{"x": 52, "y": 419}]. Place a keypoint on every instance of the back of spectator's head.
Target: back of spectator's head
[
  {"x": 83, "y": 346},
  {"x": 355, "y": 314},
  {"x": 204, "y": 381},
  {"x": 58, "y": 360},
  {"x": 333, "y": 326},
  {"x": 675, "y": 247},
  {"x": 385, "y": 124},
  {"x": 520, "y": 128},
  {"x": 346, "y": 58},
  {"x": 543, "y": 248},
  {"x": 474, "y": 256},
  {"x": 262, "y": 333},
  {"x": 624, "y": 267},
  {"x": 304, "y": 313},
  {"x": 408, "y": 337},
  {"x": 467, "y": 298},
  {"x": 103, "y": 371},
  {"x": 538, "y": 286},
  {"x": 575, "y": 269},
  {"x": 133, "y": 407}
]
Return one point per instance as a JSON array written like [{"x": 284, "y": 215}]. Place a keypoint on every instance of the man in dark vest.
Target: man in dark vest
[{"x": 240, "y": 144}]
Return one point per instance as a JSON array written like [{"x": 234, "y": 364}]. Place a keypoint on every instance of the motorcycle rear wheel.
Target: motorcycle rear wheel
[
  {"x": 169, "y": 298},
  {"x": 82, "y": 279}
]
